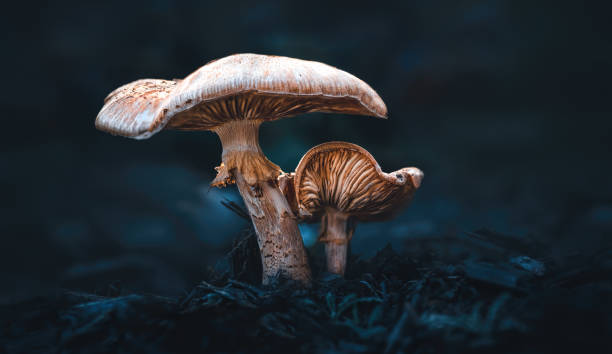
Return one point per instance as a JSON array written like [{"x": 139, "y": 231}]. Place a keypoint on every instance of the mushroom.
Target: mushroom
[
  {"x": 232, "y": 96},
  {"x": 340, "y": 183}
]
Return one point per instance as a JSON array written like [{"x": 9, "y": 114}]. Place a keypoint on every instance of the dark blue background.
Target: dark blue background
[{"x": 505, "y": 105}]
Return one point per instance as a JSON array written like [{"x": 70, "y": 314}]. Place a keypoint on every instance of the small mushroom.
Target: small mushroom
[
  {"x": 340, "y": 183},
  {"x": 232, "y": 96}
]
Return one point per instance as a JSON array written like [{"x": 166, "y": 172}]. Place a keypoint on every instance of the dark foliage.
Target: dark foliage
[{"x": 506, "y": 296}]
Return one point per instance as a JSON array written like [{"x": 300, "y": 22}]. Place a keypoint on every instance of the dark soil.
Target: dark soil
[{"x": 498, "y": 295}]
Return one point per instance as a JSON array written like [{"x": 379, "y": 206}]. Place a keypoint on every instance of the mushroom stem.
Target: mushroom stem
[
  {"x": 241, "y": 152},
  {"x": 336, "y": 235},
  {"x": 282, "y": 250}
]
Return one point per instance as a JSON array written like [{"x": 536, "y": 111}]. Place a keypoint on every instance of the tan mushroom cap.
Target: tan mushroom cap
[
  {"x": 237, "y": 87},
  {"x": 346, "y": 177}
]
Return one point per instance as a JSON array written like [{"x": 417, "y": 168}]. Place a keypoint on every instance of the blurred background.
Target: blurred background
[{"x": 505, "y": 105}]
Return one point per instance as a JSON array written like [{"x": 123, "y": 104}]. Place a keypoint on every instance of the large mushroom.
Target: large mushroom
[
  {"x": 232, "y": 96},
  {"x": 340, "y": 183}
]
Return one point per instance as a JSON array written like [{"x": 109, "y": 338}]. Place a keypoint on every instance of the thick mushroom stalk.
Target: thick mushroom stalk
[
  {"x": 280, "y": 243},
  {"x": 242, "y": 154},
  {"x": 338, "y": 182},
  {"x": 232, "y": 96}
]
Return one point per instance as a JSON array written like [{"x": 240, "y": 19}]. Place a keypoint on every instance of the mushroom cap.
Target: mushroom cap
[
  {"x": 237, "y": 87},
  {"x": 346, "y": 177}
]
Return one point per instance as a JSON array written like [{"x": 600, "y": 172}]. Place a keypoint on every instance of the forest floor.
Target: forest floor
[{"x": 500, "y": 294}]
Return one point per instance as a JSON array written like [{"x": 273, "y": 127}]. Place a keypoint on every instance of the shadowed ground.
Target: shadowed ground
[{"x": 494, "y": 293}]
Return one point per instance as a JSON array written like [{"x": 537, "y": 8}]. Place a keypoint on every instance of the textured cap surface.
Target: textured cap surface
[
  {"x": 241, "y": 86},
  {"x": 131, "y": 108},
  {"x": 346, "y": 177}
]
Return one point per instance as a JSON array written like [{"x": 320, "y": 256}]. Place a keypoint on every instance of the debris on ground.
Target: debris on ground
[{"x": 505, "y": 296}]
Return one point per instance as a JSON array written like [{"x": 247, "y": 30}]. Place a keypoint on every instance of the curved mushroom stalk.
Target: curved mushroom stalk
[
  {"x": 282, "y": 251},
  {"x": 339, "y": 182},
  {"x": 232, "y": 96}
]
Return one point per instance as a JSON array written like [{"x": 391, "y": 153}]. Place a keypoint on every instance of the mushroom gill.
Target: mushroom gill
[
  {"x": 233, "y": 96},
  {"x": 339, "y": 182}
]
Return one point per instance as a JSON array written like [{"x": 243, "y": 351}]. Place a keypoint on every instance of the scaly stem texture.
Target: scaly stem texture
[{"x": 282, "y": 250}]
